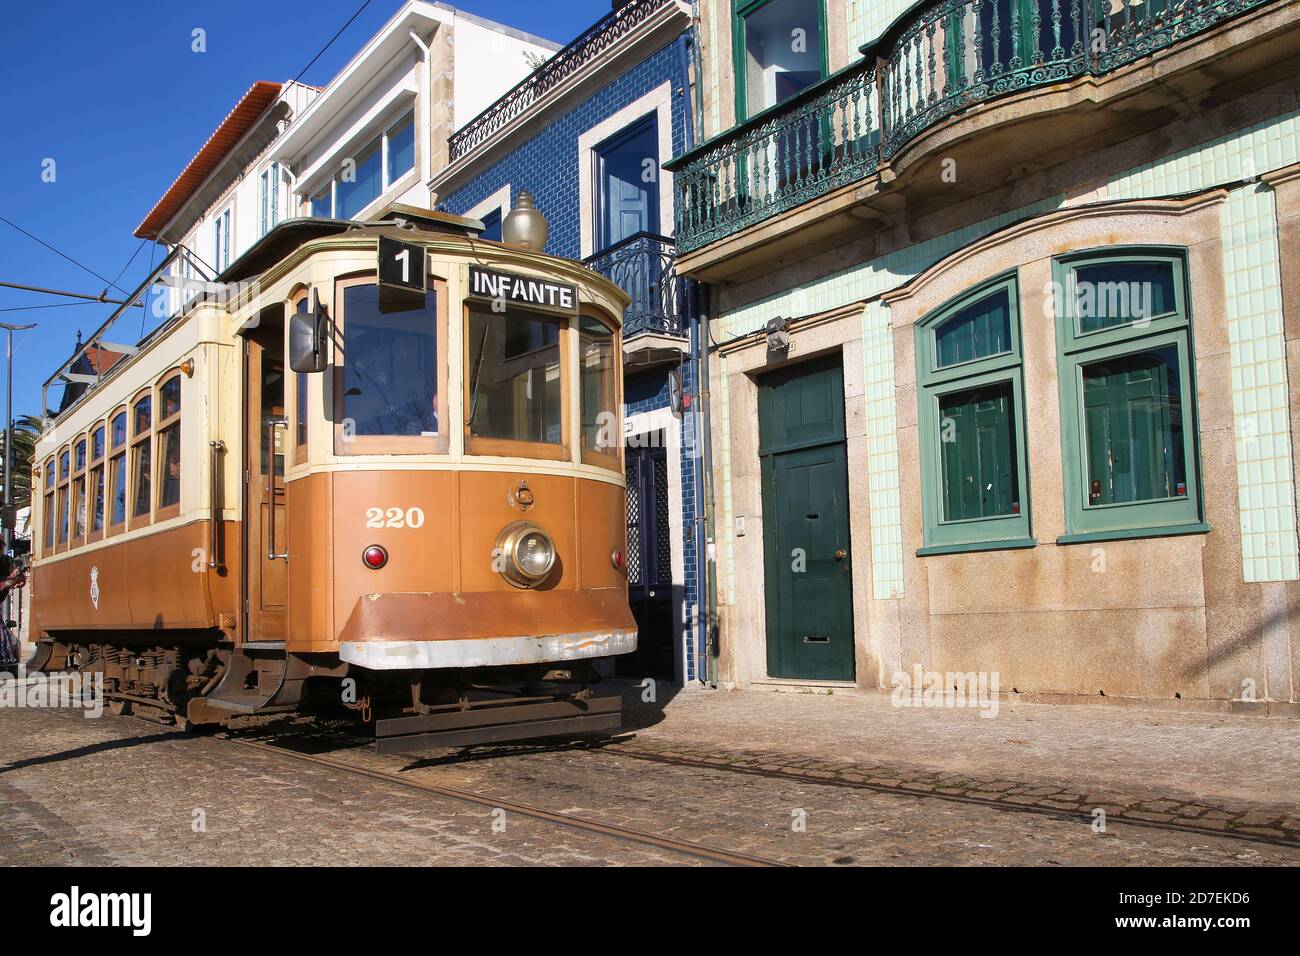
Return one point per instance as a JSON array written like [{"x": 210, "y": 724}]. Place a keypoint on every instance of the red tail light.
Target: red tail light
[{"x": 374, "y": 557}]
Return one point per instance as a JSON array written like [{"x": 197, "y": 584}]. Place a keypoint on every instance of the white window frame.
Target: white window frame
[
  {"x": 385, "y": 127},
  {"x": 499, "y": 200},
  {"x": 658, "y": 101},
  {"x": 221, "y": 251}
]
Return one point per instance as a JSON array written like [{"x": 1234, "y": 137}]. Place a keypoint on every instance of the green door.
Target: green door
[{"x": 806, "y": 523}]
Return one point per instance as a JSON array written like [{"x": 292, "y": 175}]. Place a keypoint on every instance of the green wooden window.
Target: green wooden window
[
  {"x": 1128, "y": 415},
  {"x": 971, "y": 402}
]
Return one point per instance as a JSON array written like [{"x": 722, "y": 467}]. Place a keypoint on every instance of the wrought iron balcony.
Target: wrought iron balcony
[
  {"x": 642, "y": 265},
  {"x": 944, "y": 57},
  {"x": 595, "y": 41}
]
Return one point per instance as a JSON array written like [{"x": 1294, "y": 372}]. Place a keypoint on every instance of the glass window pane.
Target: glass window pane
[
  {"x": 600, "y": 432},
  {"x": 63, "y": 515},
  {"x": 63, "y": 466},
  {"x": 320, "y": 203},
  {"x": 783, "y": 51},
  {"x": 80, "y": 455},
  {"x": 355, "y": 194},
  {"x": 142, "y": 461},
  {"x": 390, "y": 363},
  {"x": 169, "y": 449},
  {"x": 49, "y": 520},
  {"x": 1113, "y": 293},
  {"x": 97, "y": 444},
  {"x": 492, "y": 226},
  {"x": 97, "y": 500},
  {"x": 119, "y": 490},
  {"x": 300, "y": 411},
  {"x": 514, "y": 362},
  {"x": 79, "y": 508},
  {"x": 49, "y": 473},
  {"x": 169, "y": 398},
  {"x": 979, "y": 330},
  {"x": 401, "y": 147},
  {"x": 629, "y": 183},
  {"x": 143, "y": 415},
  {"x": 119, "y": 429},
  {"x": 1133, "y": 428},
  {"x": 977, "y": 436}
]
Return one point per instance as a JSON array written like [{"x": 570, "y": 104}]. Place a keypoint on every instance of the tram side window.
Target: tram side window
[
  {"x": 169, "y": 443},
  {"x": 79, "y": 493},
  {"x": 141, "y": 456},
  {"x": 598, "y": 385},
  {"x": 49, "y": 504},
  {"x": 390, "y": 364},
  {"x": 514, "y": 373},
  {"x": 64, "y": 460},
  {"x": 96, "y": 483},
  {"x": 117, "y": 471}
]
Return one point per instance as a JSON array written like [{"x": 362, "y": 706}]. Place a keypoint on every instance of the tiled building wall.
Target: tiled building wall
[
  {"x": 547, "y": 165},
  {"x": 1252, "y": 268}
]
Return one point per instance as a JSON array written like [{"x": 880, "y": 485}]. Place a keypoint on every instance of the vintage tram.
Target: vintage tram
[{"x": 380, "y": 460}]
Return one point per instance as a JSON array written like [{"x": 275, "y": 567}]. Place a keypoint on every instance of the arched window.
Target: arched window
[
  {"x": 79, "y": 461},
  {"x": 65, "y": 474},
  {"x": 141, "y": 459},
  {"x": 95, "y": 484},
  {"x": 972, "y": 423},
  {"x": 168, "y": 432},
  {"x": 48, "y": 484},
  {"x": 117, "y": 472}
]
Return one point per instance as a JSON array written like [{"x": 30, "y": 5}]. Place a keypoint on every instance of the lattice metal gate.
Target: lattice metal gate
[{"x": 649, "y": 560}]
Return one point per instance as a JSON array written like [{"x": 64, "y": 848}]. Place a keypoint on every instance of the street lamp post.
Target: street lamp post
[{"x": 9, "y": 518}]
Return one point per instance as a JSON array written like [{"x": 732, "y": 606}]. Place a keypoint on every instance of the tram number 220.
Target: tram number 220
[{"x": 394, "y": 518}]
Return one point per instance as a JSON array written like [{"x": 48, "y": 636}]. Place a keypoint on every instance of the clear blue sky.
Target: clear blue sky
[{"x": 113, "y": 93}]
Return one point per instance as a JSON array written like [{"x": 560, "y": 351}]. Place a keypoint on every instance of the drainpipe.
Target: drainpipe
[
  {"x": 709, "y": 615},
  {"x": 423, "y": 97}
]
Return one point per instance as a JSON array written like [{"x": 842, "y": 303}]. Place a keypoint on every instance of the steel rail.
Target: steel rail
[{"x": 627, "y": 834}]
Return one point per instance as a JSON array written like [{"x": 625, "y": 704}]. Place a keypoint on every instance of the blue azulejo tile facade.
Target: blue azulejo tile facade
[{"x": 665, "y": 533}]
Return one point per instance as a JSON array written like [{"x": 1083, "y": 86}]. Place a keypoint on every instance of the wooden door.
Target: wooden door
[{"x": 266, "y": 581}]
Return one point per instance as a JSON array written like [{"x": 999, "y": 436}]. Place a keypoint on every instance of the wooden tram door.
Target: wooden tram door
[{"x": 266, "y": 578}]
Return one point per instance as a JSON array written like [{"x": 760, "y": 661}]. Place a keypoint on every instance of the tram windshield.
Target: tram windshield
[
  {"x": 390, "y": 375},
  {"x": 514, "y": 371}
]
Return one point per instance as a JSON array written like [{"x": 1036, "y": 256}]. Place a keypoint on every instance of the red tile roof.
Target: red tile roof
[{"x": 250, "y": 106}]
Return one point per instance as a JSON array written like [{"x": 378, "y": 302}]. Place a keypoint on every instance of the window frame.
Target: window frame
[
  {"x": 746, "y": 8},
  {"x": 162, "y": 512},
  {"x": 941, "y": 535},
  {"x": 63, "y": 526},
  {"x": 509, "y": 447},
  {"x": 77, "y": 490},
  {"x": 114, "y": 462},
  {"x": 390, "y": 444},
  {"x": 133, "y": 441},
  {"x": 221, "y": 250},
  {"x": 1160, "y": 517},
  {"x": 49, "y": 495},
  {"x": 97, "y": 466},
  {"x": 611, "y": 459}
]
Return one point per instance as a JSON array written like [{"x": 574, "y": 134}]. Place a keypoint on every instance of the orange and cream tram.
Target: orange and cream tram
[{"x": 382, "y": 461}]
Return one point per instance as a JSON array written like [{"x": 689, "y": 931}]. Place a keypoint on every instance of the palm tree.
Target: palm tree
[{"x": 27, "y": 428}]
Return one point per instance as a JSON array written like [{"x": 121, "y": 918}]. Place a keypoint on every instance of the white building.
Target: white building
[{"x": 374, "y": 135}]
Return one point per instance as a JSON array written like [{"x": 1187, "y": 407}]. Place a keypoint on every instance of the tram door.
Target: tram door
[
  {"x": 649, "y": 561},
  {"x": 267, "y": 578}
]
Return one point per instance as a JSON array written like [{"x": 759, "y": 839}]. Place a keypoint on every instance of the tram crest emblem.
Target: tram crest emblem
[{"x": 94, "y": 587}]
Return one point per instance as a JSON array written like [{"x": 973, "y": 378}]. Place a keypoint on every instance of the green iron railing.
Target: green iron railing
[{"x": 939, "y": 59}]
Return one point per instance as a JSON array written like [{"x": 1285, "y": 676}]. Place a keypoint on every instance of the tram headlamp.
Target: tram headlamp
[{"x": 524, "y": 554}]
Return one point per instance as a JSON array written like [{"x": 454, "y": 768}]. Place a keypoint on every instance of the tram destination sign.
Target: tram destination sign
[
  {"x": 402, "y": 265},
  {"x": 523, "y": 290}
]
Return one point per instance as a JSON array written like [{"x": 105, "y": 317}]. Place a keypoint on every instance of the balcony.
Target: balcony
[
  {"x": 811, "y": 170},
  {"x": 655, "y": 326}
]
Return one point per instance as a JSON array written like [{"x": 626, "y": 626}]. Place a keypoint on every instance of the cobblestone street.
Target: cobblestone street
[{"x": 796, "y": 779}]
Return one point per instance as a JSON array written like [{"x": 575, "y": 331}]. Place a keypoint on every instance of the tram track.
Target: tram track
[{"x": 569, "y": 821}]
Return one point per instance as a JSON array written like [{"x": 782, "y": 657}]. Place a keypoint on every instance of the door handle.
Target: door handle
[
  {"x": 214, "y": 490},
  {"x": 841, "y": 554},
  {"x": 271, "y": 426}
]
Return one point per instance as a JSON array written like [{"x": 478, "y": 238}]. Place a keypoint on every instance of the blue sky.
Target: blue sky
[{"x": 114, "y": 94}]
